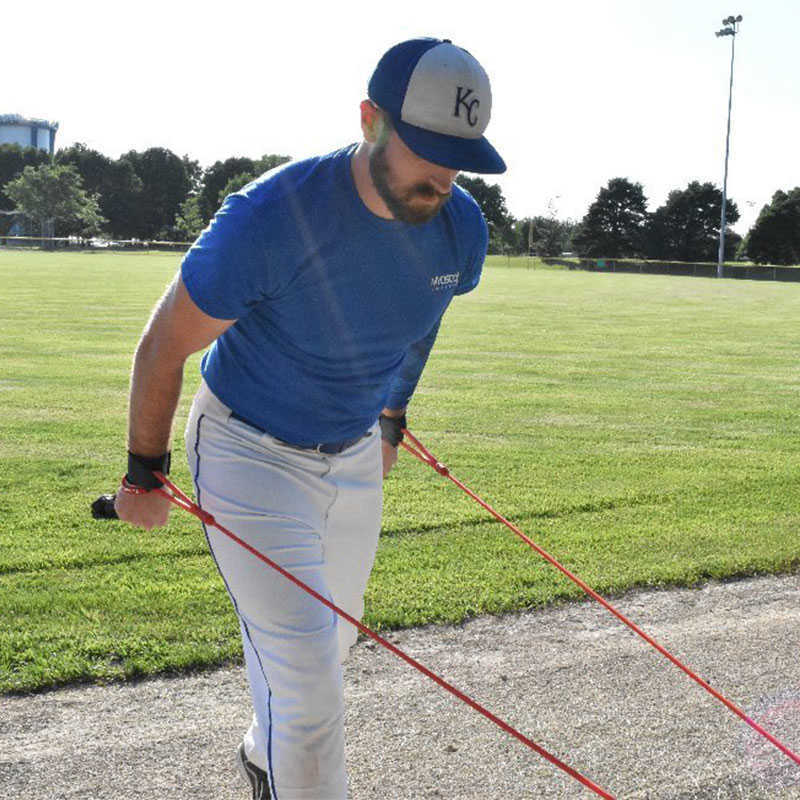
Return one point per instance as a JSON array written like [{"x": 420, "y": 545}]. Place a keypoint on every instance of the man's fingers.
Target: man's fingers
[{"x": 148, "y": 511}]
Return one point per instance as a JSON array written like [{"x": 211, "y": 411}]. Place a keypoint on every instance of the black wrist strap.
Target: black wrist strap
[
  {"x": 392, "y": 429},
  {"x": 141, "y": 468}
]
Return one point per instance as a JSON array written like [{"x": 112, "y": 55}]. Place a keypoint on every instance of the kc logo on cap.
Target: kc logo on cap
[
  {"x": 462, "y": 95},
  {"x": 440, "y": 102}
]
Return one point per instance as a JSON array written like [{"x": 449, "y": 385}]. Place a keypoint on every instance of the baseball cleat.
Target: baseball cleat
[{"x": 256, "y": 777}]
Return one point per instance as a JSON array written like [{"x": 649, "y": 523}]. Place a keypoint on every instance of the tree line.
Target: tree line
[
  {"x": 149, "y": 195},
  {"x": 617, "y": 225},
  {"x": 156, "y": 194}
]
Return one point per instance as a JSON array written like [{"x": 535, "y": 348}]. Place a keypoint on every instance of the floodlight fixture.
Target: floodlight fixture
[{"x": 731, "y": 31}]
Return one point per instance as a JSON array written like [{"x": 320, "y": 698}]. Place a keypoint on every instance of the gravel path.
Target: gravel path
[{"x": 572, "y": 678}]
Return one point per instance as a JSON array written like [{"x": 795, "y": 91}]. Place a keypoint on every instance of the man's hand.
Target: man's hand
[
  {"x": 389, "y": 457},
  {"x": 148, "y": 510}
]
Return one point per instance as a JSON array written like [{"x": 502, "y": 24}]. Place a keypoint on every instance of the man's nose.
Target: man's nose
[{"x": 442, "y": 180}]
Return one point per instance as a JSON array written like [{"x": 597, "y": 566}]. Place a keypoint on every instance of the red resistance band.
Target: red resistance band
[
  {"x": 428, "y": 458},
  {"x": 178, "y": 498}
]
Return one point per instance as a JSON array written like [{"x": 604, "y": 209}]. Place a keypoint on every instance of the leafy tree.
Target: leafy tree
[
  {"x": 733, "y": 246},
  {"x": 189, "y": 222},
  {"x": 549, "y": 237},
  {"x": 686, "y": 227},
  {"x": 544, "y": 236},
  {"x": 775, "y": 236},
  {"x": 194, "y": 172},
  {"x": 233, "y": 185},
  {"x": 165, "y": 185},
  {"x": 215, "y": 179},
  {"x": 268, "y": 162},
  {"x": 493, "y": 205},
  {"x": 53, "y": 194},
  {"x": 218, "y": 175},
  {"x": 91, "y": 165},
  {"x": 14, "y": 159},
  {"x": 117, "y": 185},
  {"x": 614, "y": 224},
  {"x": 521, "y": 235},
  {"x": 121, "y": 198}
]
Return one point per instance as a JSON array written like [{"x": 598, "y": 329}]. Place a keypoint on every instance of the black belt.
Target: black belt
[{"x": 328, "y": 448}]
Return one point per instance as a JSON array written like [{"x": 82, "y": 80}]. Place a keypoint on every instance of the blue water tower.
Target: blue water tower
[{"x": 26, "y": 132}]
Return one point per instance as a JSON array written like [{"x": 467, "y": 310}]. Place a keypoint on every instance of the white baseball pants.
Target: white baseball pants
[{"x": 318, "y": 516}]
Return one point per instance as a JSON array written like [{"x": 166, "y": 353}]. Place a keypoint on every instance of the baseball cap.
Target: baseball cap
[{"x": 440, "y": 101}]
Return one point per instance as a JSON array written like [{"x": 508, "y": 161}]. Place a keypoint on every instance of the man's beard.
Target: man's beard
[{"x": 401, "y": 205}]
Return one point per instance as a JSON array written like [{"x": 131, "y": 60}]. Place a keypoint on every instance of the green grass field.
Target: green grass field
[{"x": 643, "y": 429}]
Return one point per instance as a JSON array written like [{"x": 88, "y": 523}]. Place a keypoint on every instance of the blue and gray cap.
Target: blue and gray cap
[{"x": 440, "y": 101}]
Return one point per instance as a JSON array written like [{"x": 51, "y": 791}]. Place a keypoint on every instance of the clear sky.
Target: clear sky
[{"x": 582, "y": 91}]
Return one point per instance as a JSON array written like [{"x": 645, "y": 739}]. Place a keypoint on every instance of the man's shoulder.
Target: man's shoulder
[
  {"x": 464, "y": 209},
  {"x": 308, "y": 176},
  {"x": 465, "y": 204}
]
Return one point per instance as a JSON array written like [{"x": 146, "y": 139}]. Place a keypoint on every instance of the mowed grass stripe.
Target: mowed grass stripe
[
  {"x": 78, "y": 550},
  {"x": 643, "y": 429},
  {"x": 116, "y": 621}
]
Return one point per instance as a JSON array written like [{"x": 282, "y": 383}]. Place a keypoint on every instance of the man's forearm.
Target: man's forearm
[
  {"x": 155, "y": 390},
  {"x": 406, "y": 379},
  {"x": 176, "y": 329}
]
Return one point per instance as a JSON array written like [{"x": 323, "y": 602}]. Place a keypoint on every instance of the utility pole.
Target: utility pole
[{"x": 731, "y": 28}]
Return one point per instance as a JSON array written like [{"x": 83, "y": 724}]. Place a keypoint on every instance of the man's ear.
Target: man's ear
[{"x": 371, "y": 122}]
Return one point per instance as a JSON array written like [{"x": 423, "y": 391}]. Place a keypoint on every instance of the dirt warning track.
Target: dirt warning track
[{"x": 572, "y": 678}]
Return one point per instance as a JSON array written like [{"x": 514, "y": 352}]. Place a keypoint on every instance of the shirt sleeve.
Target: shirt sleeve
[
  {"x": 224, "y": 270},
  {"x": 406, "y": 378},
  {"x": 469, "y": 279}
]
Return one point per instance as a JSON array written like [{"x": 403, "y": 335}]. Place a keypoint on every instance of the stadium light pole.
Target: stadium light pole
[{"x": 731, "y": 28}]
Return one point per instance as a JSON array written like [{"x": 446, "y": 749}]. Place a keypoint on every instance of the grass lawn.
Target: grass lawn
[{"x": 643, "y": 429}]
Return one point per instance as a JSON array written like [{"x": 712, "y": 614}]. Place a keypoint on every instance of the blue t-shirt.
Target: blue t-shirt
[{"x": 328, "y": 298}]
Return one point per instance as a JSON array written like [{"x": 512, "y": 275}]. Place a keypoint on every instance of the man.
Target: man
[{"x": 319, "y": 288}]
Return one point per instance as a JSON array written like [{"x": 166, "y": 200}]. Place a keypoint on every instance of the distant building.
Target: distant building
[{"x": 40, "y": 133}]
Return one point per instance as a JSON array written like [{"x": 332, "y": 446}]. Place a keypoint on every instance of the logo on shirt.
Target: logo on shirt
[{"x": 449, "y": 281}]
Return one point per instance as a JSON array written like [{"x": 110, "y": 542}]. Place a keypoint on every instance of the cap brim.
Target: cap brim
[{"x": 453, "y": 152}]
